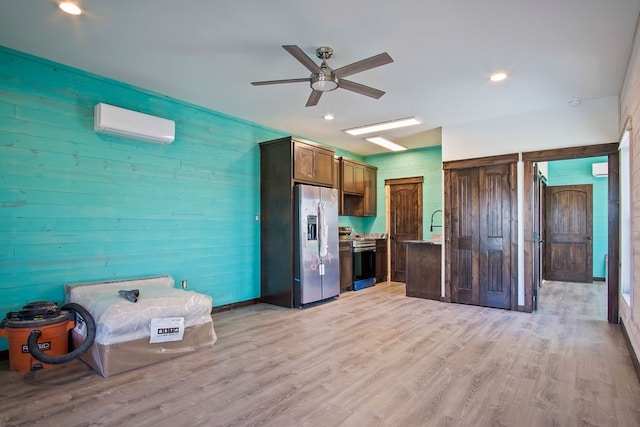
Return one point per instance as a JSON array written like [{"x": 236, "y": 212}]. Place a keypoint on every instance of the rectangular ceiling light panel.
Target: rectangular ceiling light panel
[
  {"x": 383, "y": 142},
  {"x": 379, "y": 127}
]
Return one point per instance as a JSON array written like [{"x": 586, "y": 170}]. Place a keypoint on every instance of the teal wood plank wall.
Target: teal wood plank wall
[
  {"x": 578, "y": 171},
  {"x": 427, "y": 163},
  {"x": 80, "y": 206}
]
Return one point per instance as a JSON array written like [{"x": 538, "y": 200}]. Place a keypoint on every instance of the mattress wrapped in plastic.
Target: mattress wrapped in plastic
[{"x": 163, "y": 323}]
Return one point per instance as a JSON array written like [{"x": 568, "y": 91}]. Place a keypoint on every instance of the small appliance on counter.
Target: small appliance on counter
[{"x": 344, "y": 233}]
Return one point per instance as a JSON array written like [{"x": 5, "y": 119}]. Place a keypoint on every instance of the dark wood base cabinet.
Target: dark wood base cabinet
[
  {"x": 346, "y": 266},
  {"x": 381, "y": 261},
  {"x": 424, "y": 269}
]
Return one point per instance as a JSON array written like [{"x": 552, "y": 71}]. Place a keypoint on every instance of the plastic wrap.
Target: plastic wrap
[{"x": 123, "y": 327}]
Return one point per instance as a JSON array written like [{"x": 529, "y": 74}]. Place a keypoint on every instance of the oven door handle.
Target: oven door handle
[{"x": 358, "y": 250}]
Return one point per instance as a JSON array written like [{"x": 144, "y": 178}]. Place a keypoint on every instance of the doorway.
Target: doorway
[
  {"x": 405, "y": 220},
  {"x": 529, "y": 208}
]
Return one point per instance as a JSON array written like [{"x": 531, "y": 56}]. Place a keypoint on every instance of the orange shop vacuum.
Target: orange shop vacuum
[{"x": 39, "y": 334}]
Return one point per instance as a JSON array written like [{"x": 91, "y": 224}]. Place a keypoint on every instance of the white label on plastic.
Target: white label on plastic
[
  {"x": 81, "y": 327},
  {"x": 166, "y": 329},
  {"x": 321, "y": 269}
]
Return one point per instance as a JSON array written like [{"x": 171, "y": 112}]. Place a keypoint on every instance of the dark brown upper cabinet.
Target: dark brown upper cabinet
[
  {"x": 353, "y": 177},
  {"x": 312, "y": 163},
  {"x": 357, "y": 188}
]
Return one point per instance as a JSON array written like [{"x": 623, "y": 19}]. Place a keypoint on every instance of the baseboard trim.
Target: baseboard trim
[
  {"x": 234, "y": 305},
  {"x": 632, "y": 353},
  {"x": 599, "y": 279}
]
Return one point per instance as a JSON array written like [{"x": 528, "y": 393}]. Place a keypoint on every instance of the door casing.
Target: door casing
[
  {"x": 528, "y": 159},
  {"x": 412, "y": 229}
]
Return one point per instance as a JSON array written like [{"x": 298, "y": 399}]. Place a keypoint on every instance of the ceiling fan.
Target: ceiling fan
[{"x": 326, "y": 79}]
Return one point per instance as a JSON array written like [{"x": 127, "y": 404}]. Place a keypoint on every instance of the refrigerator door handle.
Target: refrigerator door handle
[{"x": 324, "y": 233}]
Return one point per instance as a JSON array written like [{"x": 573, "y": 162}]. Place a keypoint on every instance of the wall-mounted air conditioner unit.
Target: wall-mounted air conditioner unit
[
  {"x": 119, "y": 121},
  {"x": 600, "y": 170}
]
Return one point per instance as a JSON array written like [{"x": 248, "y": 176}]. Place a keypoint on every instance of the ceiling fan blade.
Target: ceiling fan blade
[
  {"x": 365, "y": 64},
  {"x": 361, "y": 89},
  {"x": 313, "y": 98},
  {"x": 275, "y": 82},
  {"x": 304, "y": 59}
]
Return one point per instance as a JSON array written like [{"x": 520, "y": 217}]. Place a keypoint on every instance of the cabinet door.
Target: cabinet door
[
  {"x": 381, "y": 260},
  {"x": 312, "y": 164},
  {"x": 323, "y": 167},
  {"x": 358, "y": 179},
  {"x": 346, "y": 266},
  {"x": 370, "y": 199},
  {"x": 303, "y": 162},
  {"x": 352, "y": 177},
  {"x": 348, "y": 183},
  {"x": 424, "y": 272}
]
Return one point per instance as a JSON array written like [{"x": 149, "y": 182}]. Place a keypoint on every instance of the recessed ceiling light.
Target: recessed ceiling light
[
  {"x": 386, "y": 143},
  {"x": 70, "y": 8},
  {"x": 378, "y": 127},
  {"x": 498, "y": 77},
  {"x": 328, "y": 117}
]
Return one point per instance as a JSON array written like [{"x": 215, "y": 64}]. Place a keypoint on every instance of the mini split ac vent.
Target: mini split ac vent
[
  {"x": 600, "y": 170},
  {"x": 119, "y": 121}
]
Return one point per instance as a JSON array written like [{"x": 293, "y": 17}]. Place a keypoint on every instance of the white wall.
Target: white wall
[
  {"x": 630, "y": 108},
  {"x": 593, "y": 122}
]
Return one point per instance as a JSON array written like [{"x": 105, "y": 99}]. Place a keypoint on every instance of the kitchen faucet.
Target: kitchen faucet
[{"x": 432, "y": 215}]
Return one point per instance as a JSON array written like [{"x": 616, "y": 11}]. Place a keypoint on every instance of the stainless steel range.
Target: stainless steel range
[{"x": 364, "y": 262}]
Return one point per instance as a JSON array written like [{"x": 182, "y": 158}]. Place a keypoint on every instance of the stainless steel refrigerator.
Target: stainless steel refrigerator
[{"x": 317, "y": 263}]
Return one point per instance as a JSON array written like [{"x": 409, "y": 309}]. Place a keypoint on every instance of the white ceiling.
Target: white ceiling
[{"x": 207, "y": 52}]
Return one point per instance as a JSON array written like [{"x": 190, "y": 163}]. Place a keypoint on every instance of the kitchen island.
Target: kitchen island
[{"x": 424, "y": 269}]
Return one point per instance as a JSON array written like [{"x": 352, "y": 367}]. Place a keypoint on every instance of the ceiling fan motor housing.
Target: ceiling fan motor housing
[{"x": 324, "y": 52}]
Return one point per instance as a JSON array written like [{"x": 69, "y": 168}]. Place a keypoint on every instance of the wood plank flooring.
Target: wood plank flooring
[{"x": 371, "y": 358}]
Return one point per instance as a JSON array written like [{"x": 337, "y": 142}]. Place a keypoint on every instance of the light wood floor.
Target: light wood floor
[{"x": 371, "y": 358}]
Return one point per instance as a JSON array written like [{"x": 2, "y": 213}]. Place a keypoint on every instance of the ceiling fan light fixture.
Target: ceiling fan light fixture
[
  {"x": 383, "y": 142},
  {"x": 379, "y": 127},
  {"x": 324, "y": 82}
]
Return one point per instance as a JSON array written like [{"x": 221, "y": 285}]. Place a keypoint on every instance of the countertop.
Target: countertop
[{"x": 427, "y": 242}]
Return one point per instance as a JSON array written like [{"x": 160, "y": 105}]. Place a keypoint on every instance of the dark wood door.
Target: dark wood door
[
  {"x": 569, "y": 244},
  {"x": 495, "y": 235},
  {"x": 405, "y": 220},
  {"x": 481, "y": 216},
  {"x": 465, "y": 233},
  {"x": 539, "y": 185}
]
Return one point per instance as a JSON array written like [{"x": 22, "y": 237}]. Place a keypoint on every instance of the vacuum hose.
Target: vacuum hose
[{"x": 32, "y": 342}]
